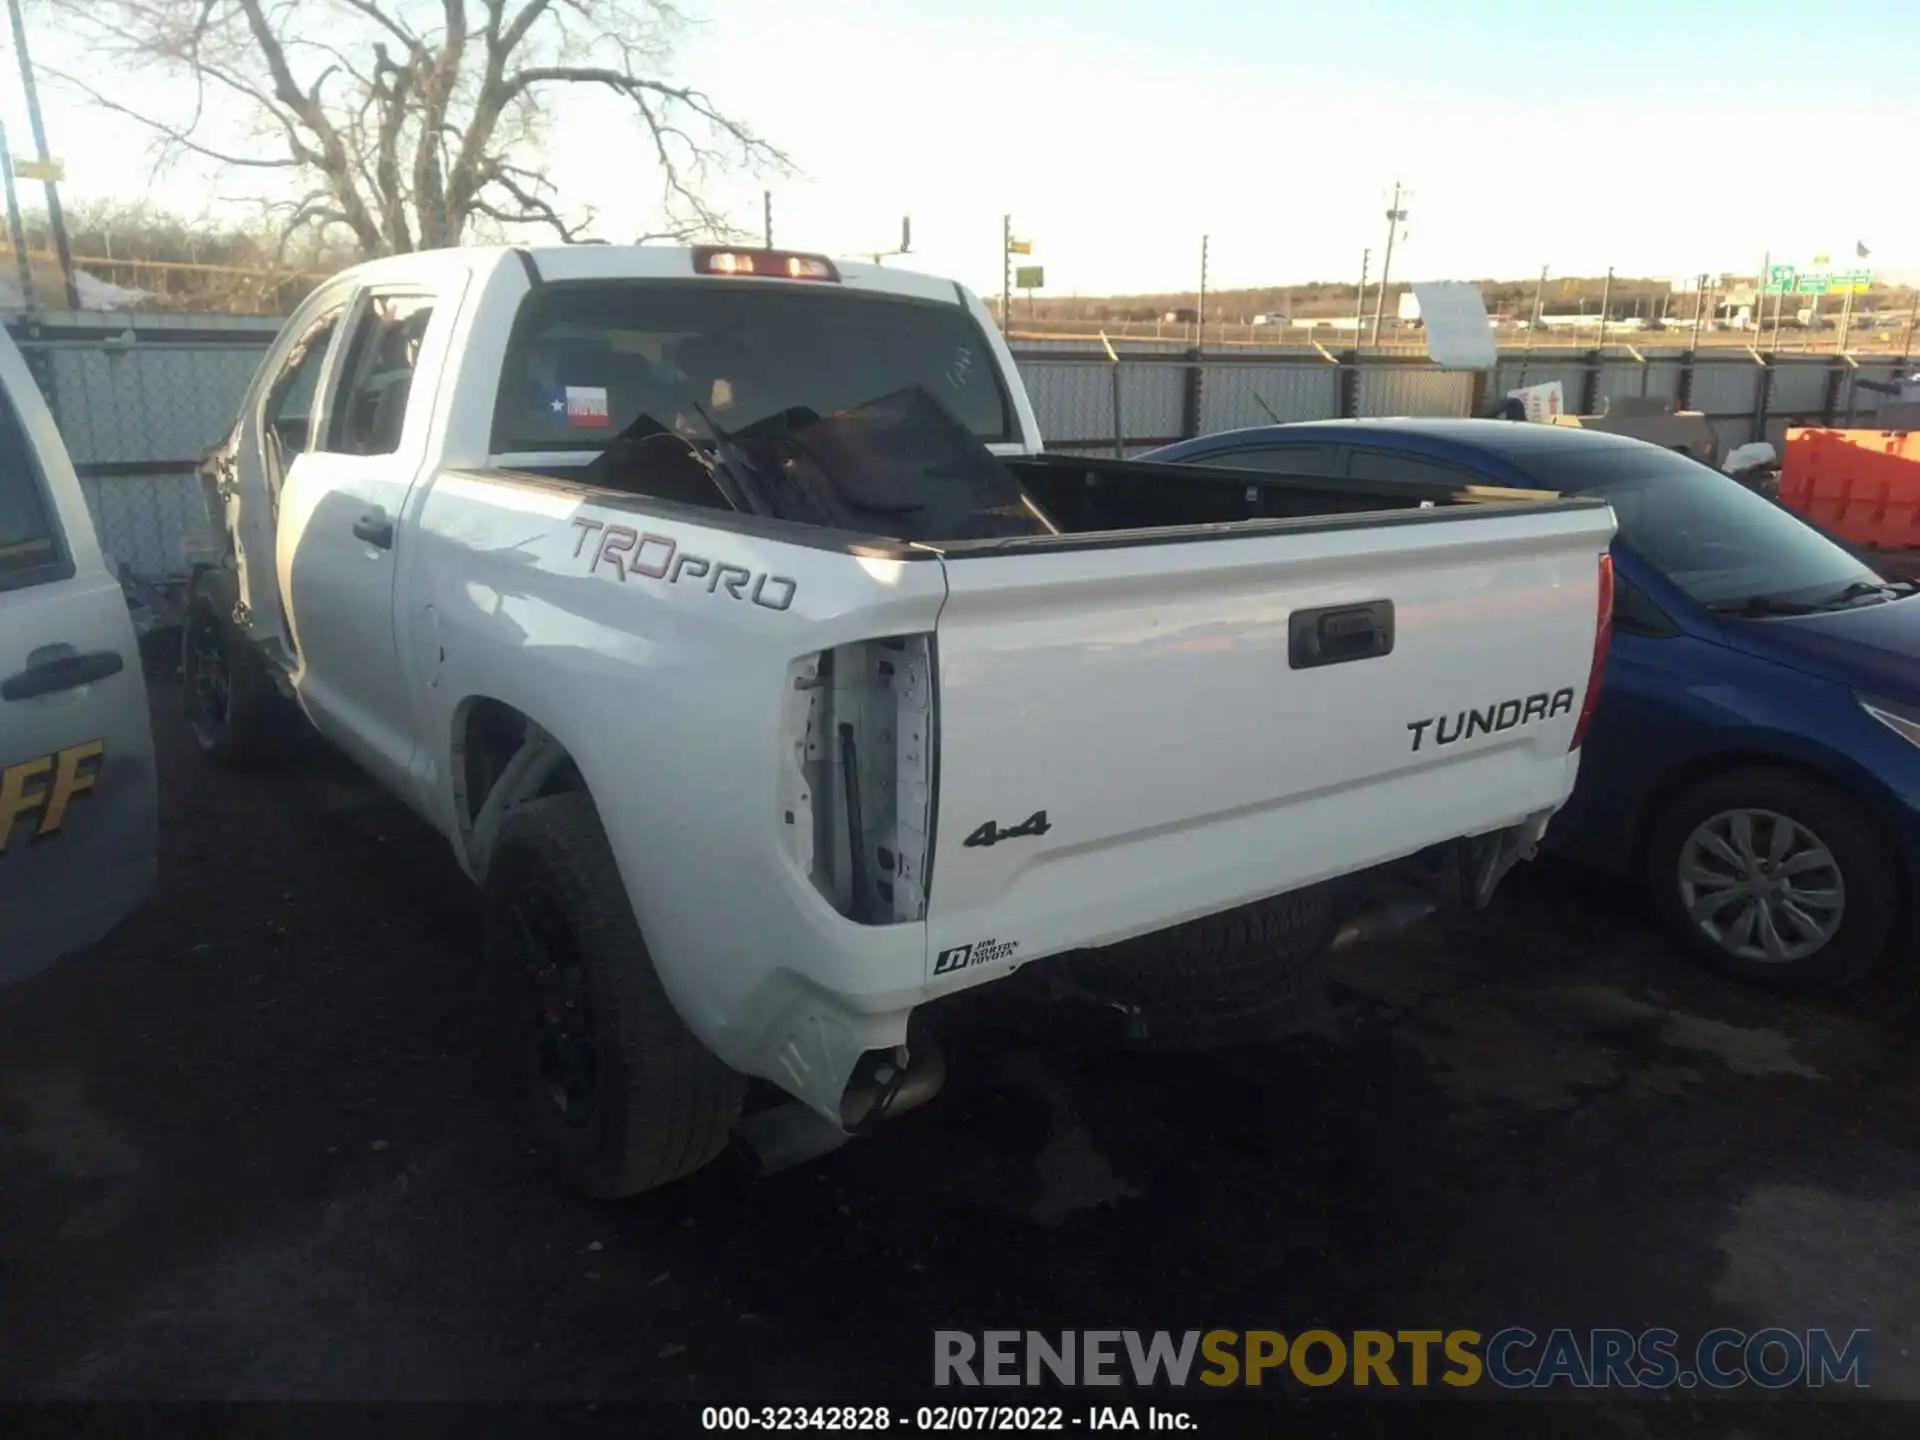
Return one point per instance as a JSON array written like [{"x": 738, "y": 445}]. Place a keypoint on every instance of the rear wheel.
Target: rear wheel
[
  {"x": 1775, "y": 878},
  {"x": 237, "y": 715},
  {"x": 620, "y": 1095}
]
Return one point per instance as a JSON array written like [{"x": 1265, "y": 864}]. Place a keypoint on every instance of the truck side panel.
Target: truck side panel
[{"x": 637, "y": 641}]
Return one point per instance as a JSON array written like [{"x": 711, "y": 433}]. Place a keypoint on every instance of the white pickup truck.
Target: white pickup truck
[{"x": 722, "y": 610}]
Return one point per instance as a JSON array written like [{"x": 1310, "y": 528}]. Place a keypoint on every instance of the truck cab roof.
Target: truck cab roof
[{"x": 561, "y": 263}]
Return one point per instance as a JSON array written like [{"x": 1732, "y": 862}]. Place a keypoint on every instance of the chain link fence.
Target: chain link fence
[{"x": 139, "y": 400}]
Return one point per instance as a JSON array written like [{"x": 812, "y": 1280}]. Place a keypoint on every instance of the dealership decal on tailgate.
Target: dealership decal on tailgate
[{"x": 980, "y": 952}]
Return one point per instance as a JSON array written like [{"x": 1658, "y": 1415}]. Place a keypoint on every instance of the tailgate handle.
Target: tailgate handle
[
  {"x": 1337, "y": 634},
  {"x": 64, "y": 670}
]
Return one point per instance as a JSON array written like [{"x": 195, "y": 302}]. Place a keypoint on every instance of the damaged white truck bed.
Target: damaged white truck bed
[{"x": 745, "y": 792}]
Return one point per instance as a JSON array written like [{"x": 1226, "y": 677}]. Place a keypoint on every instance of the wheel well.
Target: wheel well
[
  {"x": 1677, "y": 782},
  {"x": 494, "y": 742}
]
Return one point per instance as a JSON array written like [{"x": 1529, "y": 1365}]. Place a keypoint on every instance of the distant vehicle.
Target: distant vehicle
[
  {"x": 1272, "y": 320},
  {"x": 724, "y": 613},
  {"x": 1755, "y": 756},
  {"x": 78, "y": 799},
  {"x": 1181, "y": 317}
]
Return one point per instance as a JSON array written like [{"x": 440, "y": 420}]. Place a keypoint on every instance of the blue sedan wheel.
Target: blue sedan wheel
[
  {"x": 1774, "y": 877},
  {"x": 1762, "y": 886}
]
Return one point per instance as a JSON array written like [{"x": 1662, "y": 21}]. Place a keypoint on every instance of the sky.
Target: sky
[{"x": 1659, "y": 137}]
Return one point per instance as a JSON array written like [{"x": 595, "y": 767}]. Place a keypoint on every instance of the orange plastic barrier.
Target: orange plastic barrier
[{"x": 1864, "y": 485}]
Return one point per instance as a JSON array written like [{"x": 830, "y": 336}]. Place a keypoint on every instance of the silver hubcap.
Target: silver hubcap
[{"x": 1761, "y": 885}]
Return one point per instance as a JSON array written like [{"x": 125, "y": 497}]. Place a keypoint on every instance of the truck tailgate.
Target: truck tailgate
[{"x": 1130, "y": 738}]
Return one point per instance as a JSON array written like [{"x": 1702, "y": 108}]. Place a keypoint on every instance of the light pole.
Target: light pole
[
  {"x": 56, "y": 221},
  {"x": 1006, "y": 274},
  {"x": 1200, "y": 305},
  {"x": 1394, "y": 216},
  {"x": 18, "y": 229},
  {"x": 1360, "y": 299}
]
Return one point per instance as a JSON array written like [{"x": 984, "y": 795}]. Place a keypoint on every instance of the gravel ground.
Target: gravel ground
[{"x": 246, "y": 1152}]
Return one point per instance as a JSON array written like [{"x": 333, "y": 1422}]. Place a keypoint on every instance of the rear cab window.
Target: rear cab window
[
  {"x": 32, "y": 547},
  {"x": 370, "y": 408},
  {"x": 589, "y": 358}
]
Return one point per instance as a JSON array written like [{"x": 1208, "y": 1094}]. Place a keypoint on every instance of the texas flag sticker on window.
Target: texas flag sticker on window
[{"x": 580, "y": 405}]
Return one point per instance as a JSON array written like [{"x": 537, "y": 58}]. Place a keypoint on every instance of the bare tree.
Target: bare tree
[{"x": 409, "y": 123}]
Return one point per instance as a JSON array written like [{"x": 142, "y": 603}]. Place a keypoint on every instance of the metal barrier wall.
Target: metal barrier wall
[
  {"x": 140, "y": 399},
  {"x": 1744, "y": 394}
]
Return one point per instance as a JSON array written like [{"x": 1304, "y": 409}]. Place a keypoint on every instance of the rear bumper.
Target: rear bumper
[{"x": 842, "y": 995}]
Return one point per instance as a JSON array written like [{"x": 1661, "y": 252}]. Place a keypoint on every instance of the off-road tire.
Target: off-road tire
[
  {"x": 254, "y": 724},
  {"x": 1871, "y": 883},
  {"x": 662, "y": 1104},
  {"x": 1223, "y": 979}
]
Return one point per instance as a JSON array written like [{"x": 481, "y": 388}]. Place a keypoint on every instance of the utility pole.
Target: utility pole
[
  {"x": 766, "y": 212},
  {"x": 55, "y": 220},
  {"x": 1526, "y": 346},
  {"x": 1006, "y": 274},
  {"x": 1200, "y": 307},
  {"x": 1606, "y": 299},
  {"x": 16, "y": 225},
  {"x": 1913, "y": 314},
  {"x": 1360, "y": 299},
  {"x": 1699, "y": 307},
  {"x": 1394, "y": 216}
]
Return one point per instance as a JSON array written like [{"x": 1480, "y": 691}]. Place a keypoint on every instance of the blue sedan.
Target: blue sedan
[{"x": 1755, "y": 757}]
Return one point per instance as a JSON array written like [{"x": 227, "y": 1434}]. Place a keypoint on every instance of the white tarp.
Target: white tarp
[
  {"x": 1459, "y": 332},
  {"x": 95, "y": 293}
]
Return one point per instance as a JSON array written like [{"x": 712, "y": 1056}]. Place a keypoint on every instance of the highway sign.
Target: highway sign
[
  {"x": 1850, "y": 282},
  {"x": 1810, "y": 285},
  {"x": 1019, "y": 247},
  {"x": 39, "y": 170},
  {"x": 1030, "y": 277},
  {"x": 1779, "y": 280}
]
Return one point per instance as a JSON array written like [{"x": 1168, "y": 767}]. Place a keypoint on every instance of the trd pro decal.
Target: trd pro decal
[{"x": 632, "y": 555}]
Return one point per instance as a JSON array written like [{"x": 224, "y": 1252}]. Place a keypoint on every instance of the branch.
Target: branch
[
  {"x": 172, "y": 135},
  {"x": 644, "y": 93},
  {"x": 313, "y": 211},
  {"x": 391, "y": 24},
  {"x": 390, "y": 82},
  {"x": 436, "y": 94},
  {"x": 333, "y": 154},
  {"x": 533, "y": 209},
  {"x": 539, "y": 215},
  {"x": 517, "y": 28}
]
